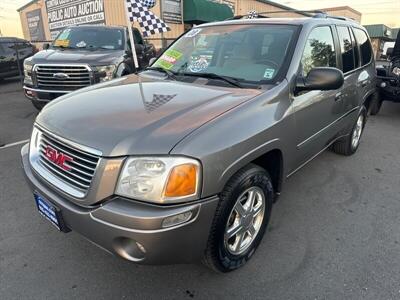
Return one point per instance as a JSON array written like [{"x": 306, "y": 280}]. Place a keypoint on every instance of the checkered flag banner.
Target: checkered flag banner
[
  {"x": 148, "y": 3},
  {"x": 158, "y": 101},
  {"x": 148, "y": 21},
  {"x": 252, "y": 14}
]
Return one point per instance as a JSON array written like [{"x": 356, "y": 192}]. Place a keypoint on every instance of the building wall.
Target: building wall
[
  {"x": 22, "y": 14},
  {"x": 244, "y": 6},
  {"x": 115, "y": 15}
]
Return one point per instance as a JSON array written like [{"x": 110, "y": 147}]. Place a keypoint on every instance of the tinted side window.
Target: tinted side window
[
  {"x": 356, "y": 50},
  {"x": 346, "y": 49},
  {"x": 365, "y": 46},
  {"x": 319, "y": 50}
]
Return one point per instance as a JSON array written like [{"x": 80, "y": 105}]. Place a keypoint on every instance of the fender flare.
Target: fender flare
[{"x": 248, "y": 157}]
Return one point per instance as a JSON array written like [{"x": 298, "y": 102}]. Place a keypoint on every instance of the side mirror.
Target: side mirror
[
  {"x": 152, "y": 60},
  {"x": 389, "y": 52},
  {"x": 321, "y": 79},
  {"x": 139, "y": 48},
  {"x": 46, "y": 46}
]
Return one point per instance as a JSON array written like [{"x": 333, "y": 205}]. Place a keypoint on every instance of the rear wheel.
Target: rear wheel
[
  {"x": 240, "y": 220},
  {"x": 349, "y": 145}
]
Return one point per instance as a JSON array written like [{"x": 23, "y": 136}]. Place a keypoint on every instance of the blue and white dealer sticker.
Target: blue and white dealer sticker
[{"x": 47, "y": 210}]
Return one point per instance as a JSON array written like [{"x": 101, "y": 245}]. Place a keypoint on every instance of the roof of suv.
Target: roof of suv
[{"x": 287, "y": 21}]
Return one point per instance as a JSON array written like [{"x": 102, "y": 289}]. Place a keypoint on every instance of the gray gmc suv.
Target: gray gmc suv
[{"x": 183, "y": 161}]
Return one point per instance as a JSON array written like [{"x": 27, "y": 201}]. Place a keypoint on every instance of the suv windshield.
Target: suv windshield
[
  {"x": 91, "y": 38},
  {"x": 247, "y": 53}
]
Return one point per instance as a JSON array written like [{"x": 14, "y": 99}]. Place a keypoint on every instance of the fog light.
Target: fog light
[
  {"x": 383, "y": 84},
  {"x": 177, "y": 219}
]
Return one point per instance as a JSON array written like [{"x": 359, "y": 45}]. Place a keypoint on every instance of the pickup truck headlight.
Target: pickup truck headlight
[
  {"x": 396, "y": 71},
  {"x": 160, "y": 180},
  {"x": 28, "y": 72},
  {"x": 106, "y": 73}
]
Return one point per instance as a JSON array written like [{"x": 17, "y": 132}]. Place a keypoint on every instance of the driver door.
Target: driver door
[{"x": 317, "y": 112}]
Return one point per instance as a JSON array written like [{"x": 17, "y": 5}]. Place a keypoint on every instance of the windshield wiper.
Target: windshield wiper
[
  {"x": 169, "y": 73},
  {"x": 231, "y": 80}
]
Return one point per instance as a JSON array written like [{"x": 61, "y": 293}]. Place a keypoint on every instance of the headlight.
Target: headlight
[
  {"x": 396, "y": 71},
  {"x": 106, "y": 72},
  {"x": 28, "y": 71},
  {"x": 160, "y": 179}
]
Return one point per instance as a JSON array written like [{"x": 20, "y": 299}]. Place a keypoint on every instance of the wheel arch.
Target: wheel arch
[{"x": 269, "y": 157}]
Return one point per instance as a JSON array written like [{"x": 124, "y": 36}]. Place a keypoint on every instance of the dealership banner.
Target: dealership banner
[
  {"x": 64, "y": 13},
  {"x": 172, "y": 11},
  {"x": 35, "y": 25}
]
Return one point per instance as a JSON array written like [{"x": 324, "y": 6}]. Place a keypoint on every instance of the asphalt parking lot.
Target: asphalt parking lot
[{"x": 334, "y": 234}]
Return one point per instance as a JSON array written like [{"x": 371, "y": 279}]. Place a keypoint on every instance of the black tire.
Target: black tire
[
  {"x": 38, "y": 104},
  {"x": 345, "y": 145},
  {"x": 376, "y": 104},
  {"x": 217, "y": 257}
]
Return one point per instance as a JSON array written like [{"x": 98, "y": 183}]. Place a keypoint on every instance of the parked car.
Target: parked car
[
  {"x": 10, "y": 59},
  {"x": 183, "y": 161},
  {"x": 81, "y": 56},
  {"x": 388, "y": 77}
]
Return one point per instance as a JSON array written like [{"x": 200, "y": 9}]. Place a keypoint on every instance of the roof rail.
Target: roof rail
[
  {"x": 326, "y": 16},
  {"x": 309, "y": 13},
  {"x": 255, "y": 14}
]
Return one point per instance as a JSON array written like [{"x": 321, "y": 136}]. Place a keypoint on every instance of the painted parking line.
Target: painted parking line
[{"x": 13, "y": 144}]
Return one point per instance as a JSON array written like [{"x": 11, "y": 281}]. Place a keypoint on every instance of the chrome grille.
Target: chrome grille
[
  {"x": 82, "y": 167},
  {"x": 76, "y": 76}
]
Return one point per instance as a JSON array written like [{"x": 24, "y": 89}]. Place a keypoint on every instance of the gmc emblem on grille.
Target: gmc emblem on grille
[{"x": 58, "y": 158}]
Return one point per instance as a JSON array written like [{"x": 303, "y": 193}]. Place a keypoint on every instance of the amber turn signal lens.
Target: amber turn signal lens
[{"x": 182, "y": 181}]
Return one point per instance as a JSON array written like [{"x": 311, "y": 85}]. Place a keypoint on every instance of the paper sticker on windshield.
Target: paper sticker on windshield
[
  {"x": 169, "y": 59},
  {"x": 269, "y": 73},
  {"x": 198, "y": 65},
  {"x": 61, "y": 43},
  {"x": 64, "y": 35},
  {"x": 81, "y": 44},
  {"x": 193, "y": 33}
]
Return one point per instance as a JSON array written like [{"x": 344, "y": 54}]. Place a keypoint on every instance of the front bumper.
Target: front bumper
[
  {"x": 43, "y": 95},
  {"x": 118, "y": 225}
]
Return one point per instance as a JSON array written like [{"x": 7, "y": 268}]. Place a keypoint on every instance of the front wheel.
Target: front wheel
[
  {"x": 349, "y": 145},
  {"x": 240, "y": 220}
]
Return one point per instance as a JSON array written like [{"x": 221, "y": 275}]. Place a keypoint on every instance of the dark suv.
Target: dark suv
[
  {"x": 81, "y": 56},
  {"x": 13, "y": 52},
  {"x": 183, "y": 161},
  {"x": 389, "y": 77}
]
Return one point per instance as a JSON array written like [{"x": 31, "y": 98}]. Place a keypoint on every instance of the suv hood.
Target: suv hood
[
  {"x": 123, "y": 117},
  {"x": 91, "y": 57}
]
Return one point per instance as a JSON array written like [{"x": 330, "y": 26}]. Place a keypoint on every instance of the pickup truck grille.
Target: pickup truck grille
[
  {"x": 62, "y": 77},
  {"x": 82, "y": 167}
]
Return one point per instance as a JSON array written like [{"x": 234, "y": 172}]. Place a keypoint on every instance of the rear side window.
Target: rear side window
[
  {"x": 346, "y": 49},
  {"x": 365, "y": 46},
  {"x": 319, "y": 50}
]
